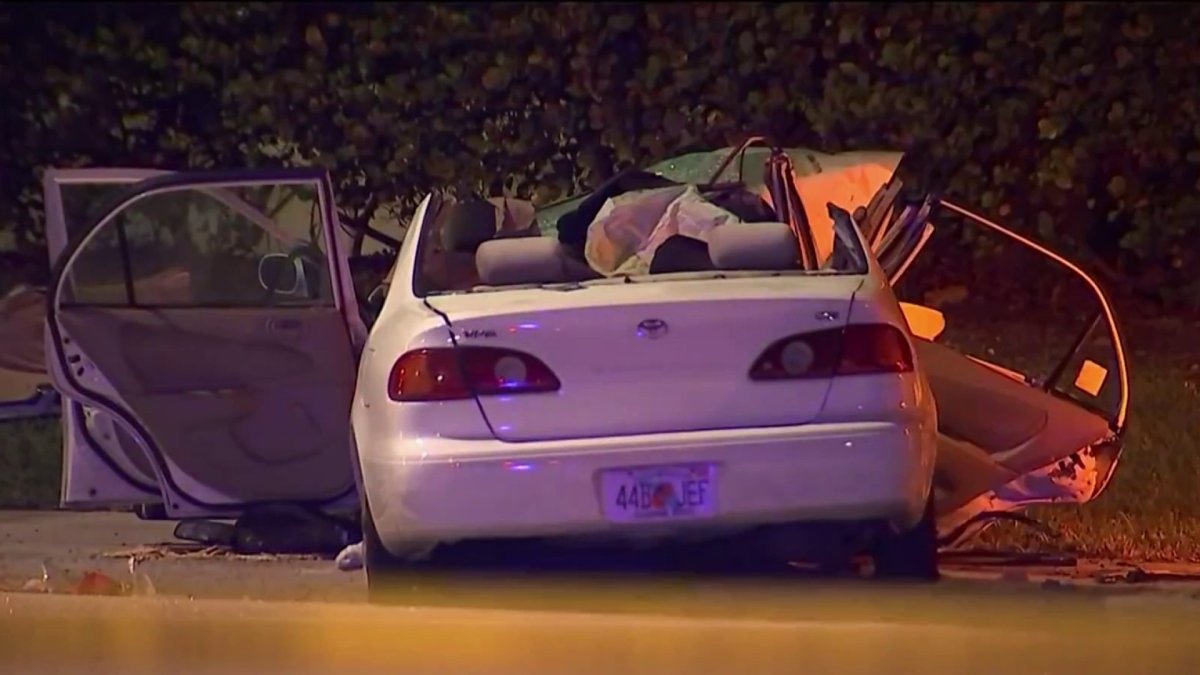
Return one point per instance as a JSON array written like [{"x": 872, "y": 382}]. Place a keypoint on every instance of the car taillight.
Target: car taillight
[
  {"x": 874, "y": 348},
  {"x": 449, "y": 373},
  {"x": 852, "y": 350}
]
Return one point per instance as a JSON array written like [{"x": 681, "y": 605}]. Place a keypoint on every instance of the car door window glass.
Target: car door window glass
[
  {"x": 1018, "y": 312},
  {"x": 83, "y": 203},
  {"x": 242, "y": 246}
]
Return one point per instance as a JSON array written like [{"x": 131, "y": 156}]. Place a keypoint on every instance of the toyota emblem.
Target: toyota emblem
[{"x": 652, "y": 328}]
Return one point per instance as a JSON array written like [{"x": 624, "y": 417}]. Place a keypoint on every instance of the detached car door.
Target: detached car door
[
  {"x": 1020, "y": 421},
  {"x": 211, "y": 317}
]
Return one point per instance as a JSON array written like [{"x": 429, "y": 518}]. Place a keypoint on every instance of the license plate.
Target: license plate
[{"x": 658, "y": 492}]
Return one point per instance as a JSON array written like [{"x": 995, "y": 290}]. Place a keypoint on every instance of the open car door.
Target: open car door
[
  {"x": 1019, "y": 424},
  {"x": 102, "y": 464},
  {"x": 209, "y": 322}
]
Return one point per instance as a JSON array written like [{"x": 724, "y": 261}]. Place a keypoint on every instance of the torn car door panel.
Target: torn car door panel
[{"x": 1052, "y": 441}]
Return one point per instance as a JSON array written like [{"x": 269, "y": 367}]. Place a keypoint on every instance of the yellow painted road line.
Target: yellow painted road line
[{"x": 820, "y": 635}]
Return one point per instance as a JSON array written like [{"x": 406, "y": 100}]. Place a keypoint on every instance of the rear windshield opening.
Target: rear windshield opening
[{"x": 640, "y": 226}]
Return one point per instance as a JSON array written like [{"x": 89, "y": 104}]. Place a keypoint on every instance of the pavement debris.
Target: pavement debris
[
  {"x": 999, "y": 558},
  {"x": 1139, "y": 575},
  {"x": 351, "y": 558},
  {"x": 93, "y": 582},
  {"x": 285, "y": 529}
]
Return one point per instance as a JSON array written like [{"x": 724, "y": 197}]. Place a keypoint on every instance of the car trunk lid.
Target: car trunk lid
[{"x": 651, "y": 357}]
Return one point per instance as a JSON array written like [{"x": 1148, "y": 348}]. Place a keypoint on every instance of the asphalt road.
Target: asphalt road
[
  {"x": 72, "y": 544},
  {"x": 208, "y": 614}
]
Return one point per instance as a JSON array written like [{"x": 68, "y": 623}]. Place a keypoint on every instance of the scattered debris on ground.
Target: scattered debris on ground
[
  {"x": 351, "y": 558},
  {"x": 991, "y": 558},
  {"x": 181, "y": 550},
  {"x": 281, "y": 529},
  {"x": 92, "y": 583},
  {"x": 1139, "y": 575},
  {"x": 1057, "y": 570}
]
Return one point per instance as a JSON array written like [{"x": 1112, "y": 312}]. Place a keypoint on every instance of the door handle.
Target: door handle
[{"x": 286, "y": 327}]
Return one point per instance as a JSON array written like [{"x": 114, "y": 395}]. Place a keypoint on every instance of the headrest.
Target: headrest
[
  {"x": 753, "y": 246},
  {"x": 522, "y": 260},
  {"x": 680, "y": 253},
  {"x": 468, "y": 224}
]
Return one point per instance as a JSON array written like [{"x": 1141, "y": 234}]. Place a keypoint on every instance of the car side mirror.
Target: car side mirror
[{"x": 281, "y": 273}]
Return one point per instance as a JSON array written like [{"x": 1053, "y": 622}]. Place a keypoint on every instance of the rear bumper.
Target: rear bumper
[{"x": 429, "y": 490}]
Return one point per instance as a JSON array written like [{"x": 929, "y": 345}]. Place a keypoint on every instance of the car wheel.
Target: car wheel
[
  {"x": 383, "y": 569},
  {"x": 910, "y": 555}
]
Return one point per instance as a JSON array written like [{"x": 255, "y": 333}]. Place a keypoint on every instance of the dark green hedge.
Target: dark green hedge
[{"x": 1078, "y": 122}]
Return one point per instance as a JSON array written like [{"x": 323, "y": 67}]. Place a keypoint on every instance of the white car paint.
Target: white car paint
[
  {"x": 855, "y": 447},
  {"x": 841, "y": 447}
]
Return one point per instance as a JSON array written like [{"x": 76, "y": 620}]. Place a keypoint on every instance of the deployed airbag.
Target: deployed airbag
[{"x": 630, "y": 227}]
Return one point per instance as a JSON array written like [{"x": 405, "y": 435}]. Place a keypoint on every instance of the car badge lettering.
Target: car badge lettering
[{"x": 479, "y": 333}]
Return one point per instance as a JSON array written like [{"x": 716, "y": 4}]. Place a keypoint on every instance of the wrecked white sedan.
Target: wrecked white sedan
[{"x": 707, "y": 348}]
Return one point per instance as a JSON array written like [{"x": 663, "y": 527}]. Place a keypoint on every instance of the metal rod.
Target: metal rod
[{"x": 729, "y": 158}]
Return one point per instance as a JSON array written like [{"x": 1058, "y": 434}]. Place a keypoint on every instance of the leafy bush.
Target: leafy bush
[{"x": 1076, "y": 122}]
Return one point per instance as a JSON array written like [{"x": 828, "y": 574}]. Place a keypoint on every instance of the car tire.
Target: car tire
[
  {"x": 911, "y": 555},
  {"x": 383, "y": 569}
]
